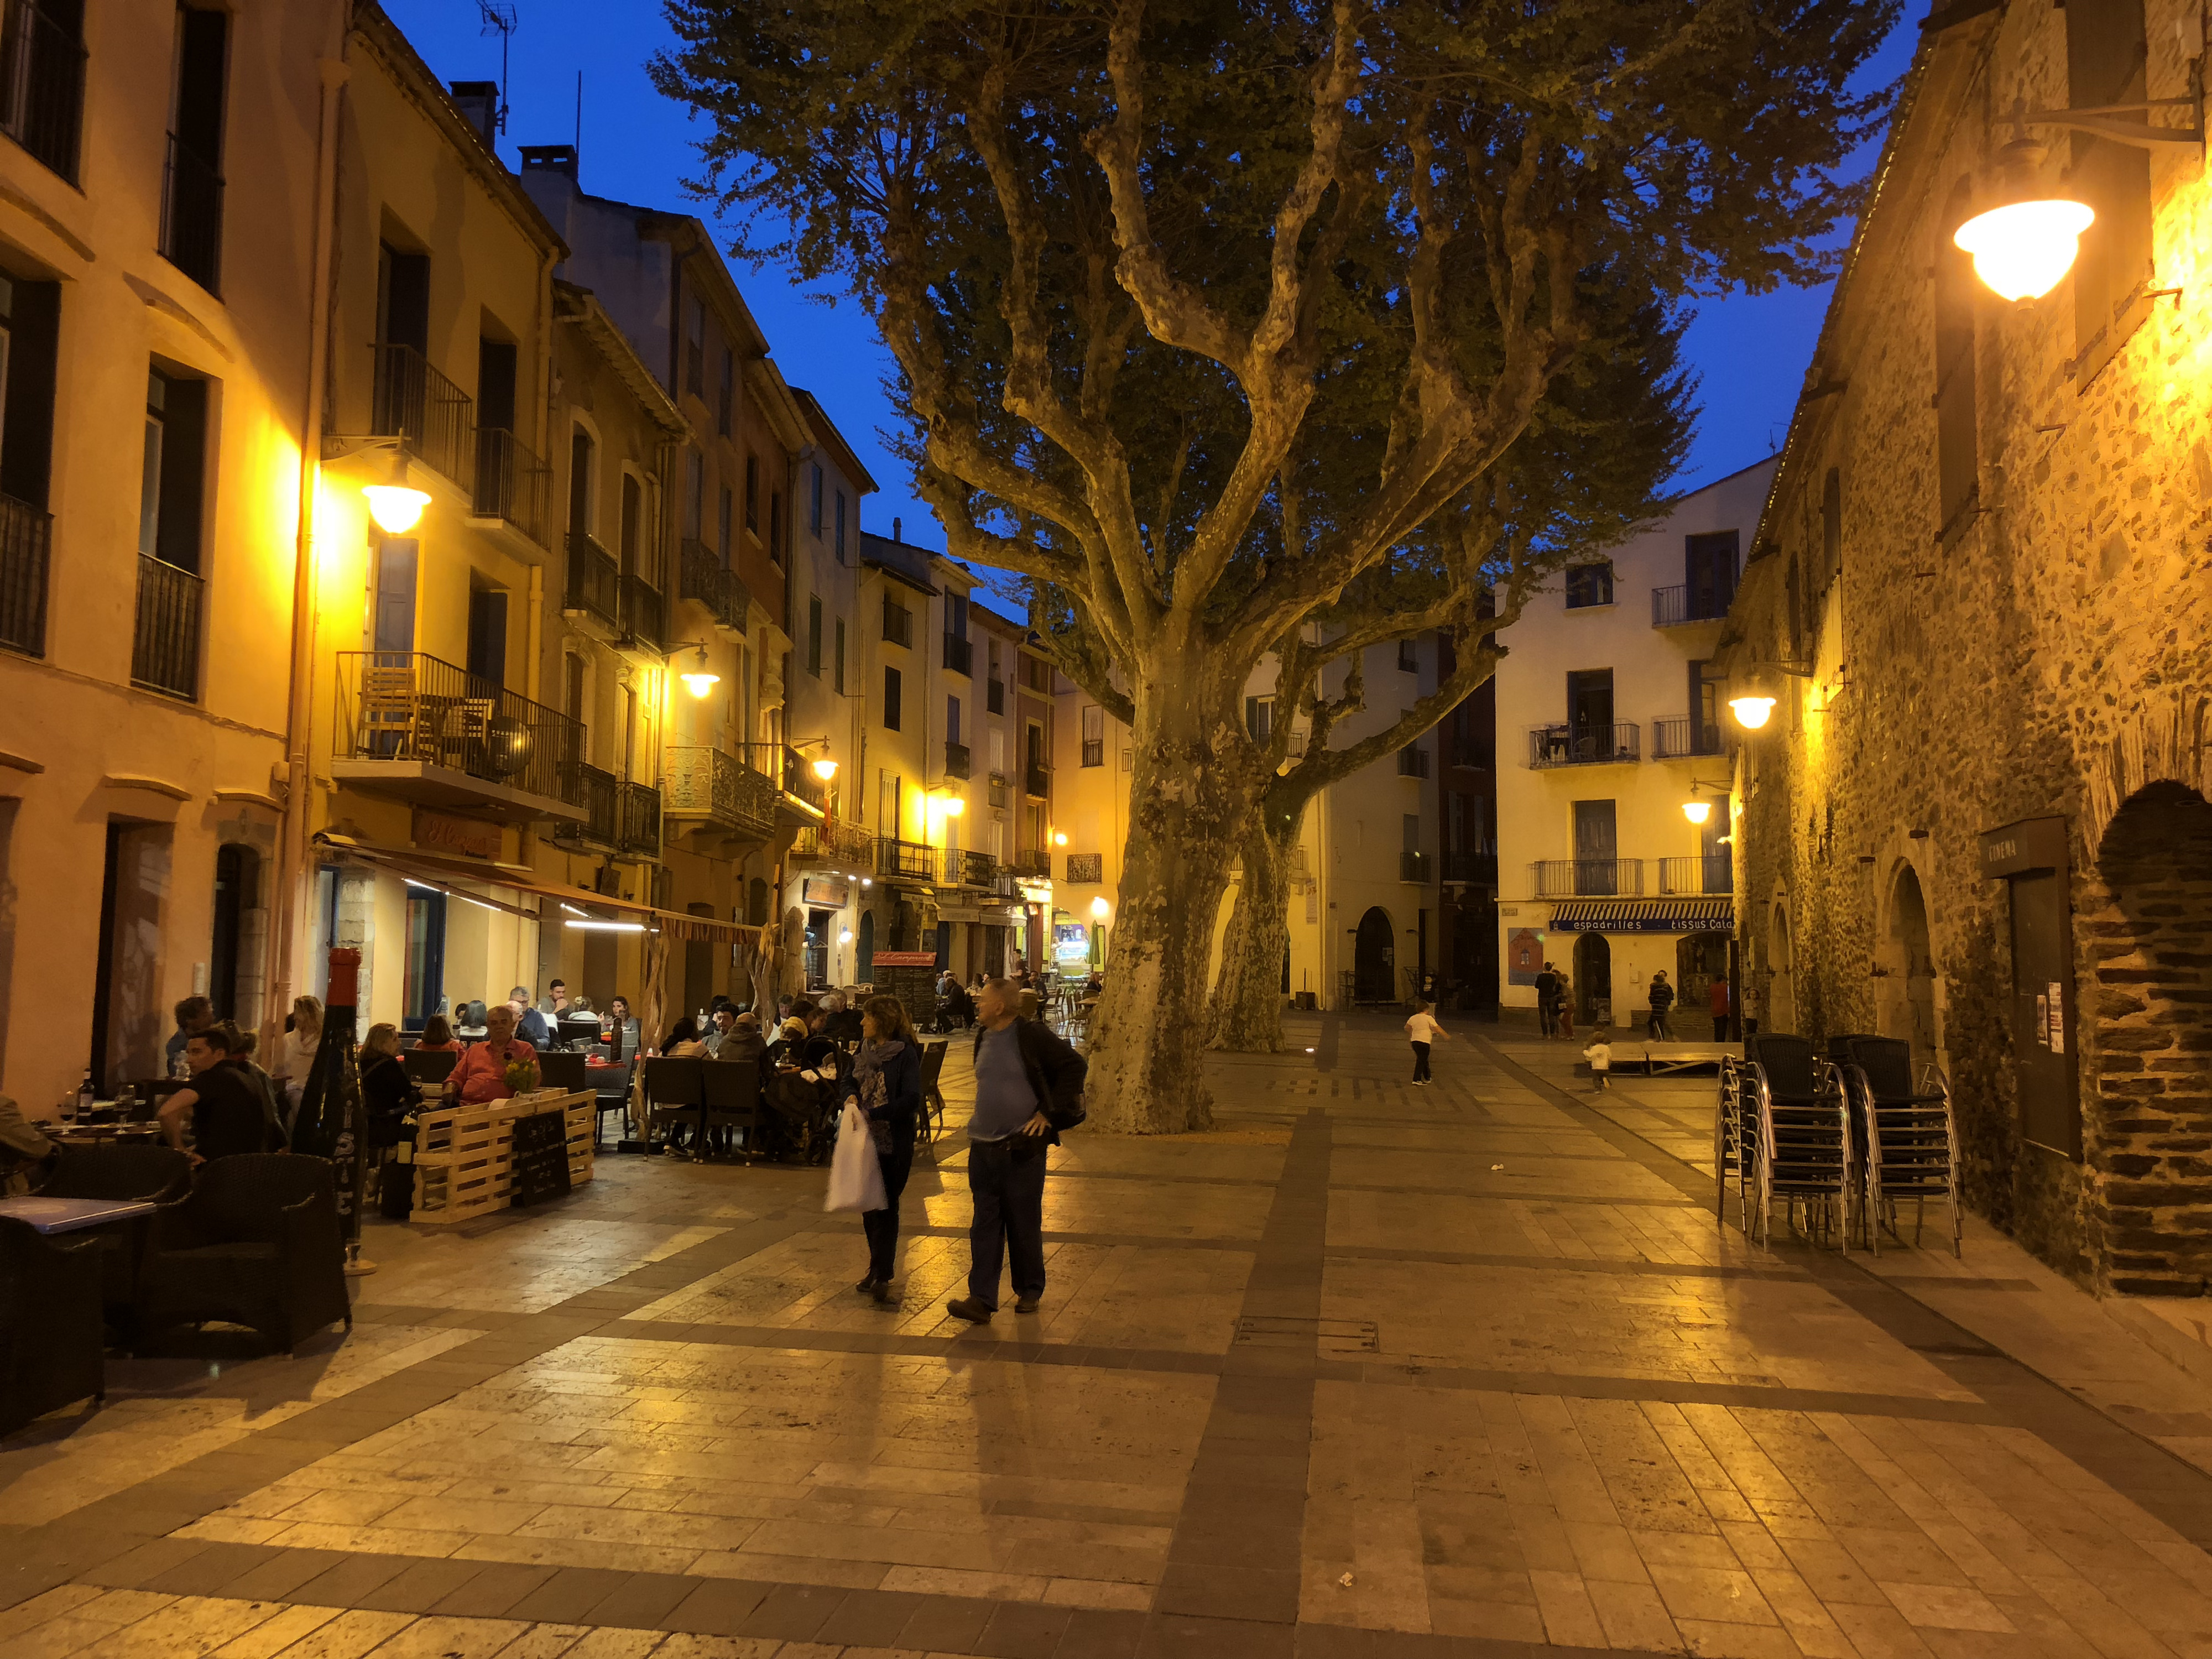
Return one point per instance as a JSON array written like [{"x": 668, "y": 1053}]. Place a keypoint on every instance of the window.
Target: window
[
  {"x": 1831, "y": 526},
  {"x": 840, "y": 526},
  {"x": 1260, "y": 718},
  {"x": 841, "y": 657},
  {"x": 998, "y": 752},
  {"x": 723, "y": 524},
  {"x": 814, "y": 635},
  {"x": 898, "y": 623},
  {"x": 1589, "y": 704},
  {"x": 191, "y": 194},
  {"x": 633, "y": 548},
  {"x": 891, "y": 700},
  {"x": 726, "y": 395},
  {"x": 775, "y": 526},
  {"x": 1597, "y": 849},
  {"x": 1709, "y": 567},
  {"x": 580, "y": 481},
  {"x": 488, "y": 639},
  {"x": 752, "y": 494},
  {"x": 1409, "y": 657},
  {"x": 173, "y": 476},
  {"x": 2106, "y": 50},
  {"x": 887, "y": 803},
  {"x": 1094, "y": 735},
  {"x": 42, "y": 83},
  {"x": 1588, "y": 585},
  {"x": 1957, "y": 466},
  {"x": 1409, "y": 833},
  {"x": 695, "y": 348},
  {"x": 1705, "y": 709},
  {"x": 951, "y": 719},
  {"x": 814, "y": 503},
  {"x": 695, "y": 495}
]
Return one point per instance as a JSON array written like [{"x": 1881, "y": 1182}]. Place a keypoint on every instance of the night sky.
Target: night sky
[{"x": 1750, "y": 352}]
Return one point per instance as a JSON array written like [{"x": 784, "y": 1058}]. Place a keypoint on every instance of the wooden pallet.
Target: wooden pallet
[{"x": 464, "y": 1155}]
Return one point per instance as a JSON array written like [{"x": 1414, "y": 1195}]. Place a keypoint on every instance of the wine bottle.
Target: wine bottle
[{"x": 330, "y": 1122}]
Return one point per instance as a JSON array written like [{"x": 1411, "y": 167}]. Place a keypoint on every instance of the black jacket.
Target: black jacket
[
  {"x": 1055, "y": 1073},
  {"x": 902, "y": 1108},
  {"x": 1662, "y": 996}
]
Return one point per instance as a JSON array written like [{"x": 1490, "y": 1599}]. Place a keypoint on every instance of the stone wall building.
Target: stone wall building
[{"x": 1980, "y": 592}]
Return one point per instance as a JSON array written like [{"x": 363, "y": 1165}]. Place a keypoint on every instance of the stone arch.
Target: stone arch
[
  {"x": 2165, "y": 743},
  {"x": 2150, "y": 942},
  {"x": 1592, "y": 978},
  {"x": 1780, "y": 1013},
  {"x": 1904, "y": 968},
  {"x": 1374, "y": 957}
]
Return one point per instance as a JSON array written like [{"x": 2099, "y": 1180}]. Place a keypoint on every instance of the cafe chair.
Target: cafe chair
[
  {"x": 731, "y": 1100},
  {"x": 256, "y": 1244},
  {"x": 562, "y": 1071},
  {"x": 50, "y": 1325},
  {"x": 430, "y": 1066},
  {"x": 675, "y": 1091},
  {"x": 933, "y": 1097},
  {"x": 151, "y": 1174}
]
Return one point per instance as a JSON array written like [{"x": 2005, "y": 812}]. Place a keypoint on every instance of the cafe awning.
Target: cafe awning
[{"x": 1659, "y": 915}]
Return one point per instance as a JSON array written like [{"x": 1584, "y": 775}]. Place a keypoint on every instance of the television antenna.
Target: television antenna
[{"x": 499, "y": 19}]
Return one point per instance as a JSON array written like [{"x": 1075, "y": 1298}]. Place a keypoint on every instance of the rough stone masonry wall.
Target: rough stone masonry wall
[{"x": 2052, "y": 658}]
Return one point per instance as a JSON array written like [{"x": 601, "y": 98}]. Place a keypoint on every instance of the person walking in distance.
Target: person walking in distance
[
  {"x": 1029, "y": 1087},
  {"x": 1548, "y": 1000},
  {"x": 1566, "y": 1006},
  {"x": 1424, "y": 1031},
  {"x": 1720, "y": 1006},
  {"x": 1659, "y": 1027},
  {"x": 886, "y": 1084}
]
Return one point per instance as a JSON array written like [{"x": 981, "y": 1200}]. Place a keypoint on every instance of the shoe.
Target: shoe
[
  {"x": 966, "y": 1308},
  {"x": 1028, "y": 1304},
  {"x": 869, "y": 1284},
  {"x": 882, "y": 1292}
]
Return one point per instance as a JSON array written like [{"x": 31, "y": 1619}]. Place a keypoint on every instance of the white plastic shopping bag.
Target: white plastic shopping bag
[{"x": 856, "y": 1180}]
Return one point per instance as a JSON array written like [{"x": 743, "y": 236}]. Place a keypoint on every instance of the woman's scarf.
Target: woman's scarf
[{"x": 874, "y": 1093}]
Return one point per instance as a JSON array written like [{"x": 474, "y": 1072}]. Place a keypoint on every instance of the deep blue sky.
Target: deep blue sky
[{"x": 1750, "y": 352}]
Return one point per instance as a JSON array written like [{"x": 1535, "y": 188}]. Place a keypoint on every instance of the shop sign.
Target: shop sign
[
  {"x": 2018, "y": 848},
  {"x": 906, "y": 959},
  {"x": 441, "y": 832},
  {"x": 827, "y": 892}
]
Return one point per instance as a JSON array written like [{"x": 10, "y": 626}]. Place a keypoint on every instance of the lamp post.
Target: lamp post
[{"x": 700, "y": 680}]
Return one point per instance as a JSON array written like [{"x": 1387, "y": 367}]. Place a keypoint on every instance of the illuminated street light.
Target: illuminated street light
[
  {"x": 1099, "y": 907},
  {"x": 825, "y": 769},
  {"x": 1751, "y": 712},
  {"x": 2024, "y": 245},
  {"x": 700, "y": 680},
  {"x": 1696, "y": 811},
  {"x": 396, "y": 504}
]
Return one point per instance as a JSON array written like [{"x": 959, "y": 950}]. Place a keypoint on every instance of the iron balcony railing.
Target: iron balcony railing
[
  {"x": 1006, "y": 881},
  {"x": 701, "y": 576},
  {"x": 600, "y": 794},
  {"x": 959, "y": 654},
  {"x": 433, "y": 419},
  {"x": 1036, "y": 781},
  {"x": 42, "y": 83},
  {"x": 644, "y": 612},
  {"x": 1582, "y": 746},
  {"x": 1588, "y": 877},
  {"x": 965, "y": 869},
  {"x": 1472, "y": 866},
  {"x": 165, "y": 650},
  {"x": 995, "y": 695},
  {"x": 410, "y": 706},
  {"x": 192, "y": 216},
  {"x": 511, "y": 482},
  {"x": 1412, "y": 761},
  {"x": 714, "y": 787},
  {"x": 1416, "y": 867},
  {"x": 793, "y": 771},
  {"x": 26, "y": 543},
  {"x": 1708, "y": 874},
  {"x": 1673, "y": 740},
  {"x": 839, "y": 846},
  {"x": 1034, "y": 862},
  {"x": 594, "y": 586},
  {"x": 639, "y": 831},
  {"x": 906, "y": 857},
  {"x": 958, "y": 764},
  {"x": 1673, "y": 606}
]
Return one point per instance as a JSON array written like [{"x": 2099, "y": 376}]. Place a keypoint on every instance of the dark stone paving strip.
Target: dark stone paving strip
[
  {"x": 1520, "y": 1197},
  {"x": 1477, "y": 1149},
  {"x": 2174, "y": 1490},
  {"x": 1326, "y": 1044},
  {"x": 1134, "y": 1241},
  {"x": 1602, "y": 1264}
]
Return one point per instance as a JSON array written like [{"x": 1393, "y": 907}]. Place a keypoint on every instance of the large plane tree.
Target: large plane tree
[{"x": 1142, "y": 266}]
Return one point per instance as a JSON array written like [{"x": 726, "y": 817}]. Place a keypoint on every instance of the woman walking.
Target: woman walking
[
  {"x": 886, "y": 1084},
  {"x": 296, "y": 1053}
]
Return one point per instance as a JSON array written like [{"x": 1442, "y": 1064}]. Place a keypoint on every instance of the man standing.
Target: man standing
[
  {"x": 1720, "y": 1005},
  {"x": 1660, "y": 1027},
  {"x": 1547, "y": 1000},
  {"x": 1029, "y": 1086}
]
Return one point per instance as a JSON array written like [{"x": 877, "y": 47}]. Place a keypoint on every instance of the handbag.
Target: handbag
[{"x": 856, "y": 1179}]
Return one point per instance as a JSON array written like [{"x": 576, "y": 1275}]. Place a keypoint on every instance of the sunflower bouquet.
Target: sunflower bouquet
[{"x": 522, "y": 1076}]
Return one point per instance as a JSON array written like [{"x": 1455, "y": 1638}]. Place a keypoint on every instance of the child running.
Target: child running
[
  {"x": 1600, "y": 1055},
  {"x": 1423, "y": 1028}
]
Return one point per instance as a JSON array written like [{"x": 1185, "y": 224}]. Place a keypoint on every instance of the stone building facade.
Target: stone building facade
[{"x": 1982, "y": 594}]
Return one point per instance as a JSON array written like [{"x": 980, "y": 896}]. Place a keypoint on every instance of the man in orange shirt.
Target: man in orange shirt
[{"x": 480, "y": 1075}]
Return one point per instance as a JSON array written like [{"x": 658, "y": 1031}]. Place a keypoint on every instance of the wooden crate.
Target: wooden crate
[{"x": 464, "y": 1155}]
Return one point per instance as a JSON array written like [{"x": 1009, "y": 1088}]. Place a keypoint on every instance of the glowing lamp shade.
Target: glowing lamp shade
[
  {"x": 700, "y": 680},
  {"x": 1060, "y": 841},
  {"x": 396, "y": 508},
  {"x": 2024, "y": 249},
  {"x": 825, "y": 769},
  {"x": 1098, "y": 908},
  {"x": 954, "y": 806},
  {"x": 1696, "y": 811},
  {"x": 844, "y": 936},
  {"x": 1751, "y": 713}
]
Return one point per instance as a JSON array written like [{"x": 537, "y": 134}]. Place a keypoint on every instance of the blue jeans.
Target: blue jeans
[{"x": 1009, "y": 1225}]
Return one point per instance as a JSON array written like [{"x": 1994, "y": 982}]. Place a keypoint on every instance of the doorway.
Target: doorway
[
  {"x": 1780, "y": 1013},
  {"x": 237, "y": 881},
  {"x": 423, "y": 987},
  {"x": 1374, "y": 958},
  {"x": 863, "y": 957},
  {"x": 1700, "y": 959},
  {"x": 1905, "y": 996},
  {"x": 1593, "y": 975}
]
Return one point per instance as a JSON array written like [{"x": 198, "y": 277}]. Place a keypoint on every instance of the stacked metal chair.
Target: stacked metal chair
[
  {"x": 1805, "y": 1143},
  {"x": 1911, "y": 1142},
  {"x": 1735, "y": 1138}
]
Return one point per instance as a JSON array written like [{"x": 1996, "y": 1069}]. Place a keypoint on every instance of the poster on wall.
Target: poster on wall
[
  {"x": 1524, "y": 956},
  {"x": 1071, "y": 944}
]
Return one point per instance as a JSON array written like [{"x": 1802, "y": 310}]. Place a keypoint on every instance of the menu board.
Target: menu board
[
  {"x": 540, "y": 1155},
  {"x": 911, "y": 976}
]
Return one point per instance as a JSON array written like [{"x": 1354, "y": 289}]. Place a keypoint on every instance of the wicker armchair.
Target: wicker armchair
[
  {"x": 50, "y": 1333},
  {"x": 256, "y": 1244},
  {"x": 154, "y": 1175}
]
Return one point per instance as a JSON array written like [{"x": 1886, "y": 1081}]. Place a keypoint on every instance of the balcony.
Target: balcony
[
  {"x": 413, "y": 726},
  {"x": 1673, "y": 607},
  {"x": 959, "y": 655},
  {"x": 1683, "y": 737},
  {"x": 638, "y": 831},
  {"x": 42, "y": 84},
  {"x": 594, "y": 585},
  {"x": 601, "y": 794},
  {"x": 512, "y": 483},
  {"x": 833, "y": 846},
  {"x": 1032, "y": 863},
  {"x": 1412, "y": 761},
  {"x": 906, "y": 859},
  {"x": 1416, "y": 867},
  {"x": 965, "y": 869},
  {"x": 1710, "y": 874},
  {"x": 705, "y": 788},
  {"x": 164, "y": 649},
  {"x": 644, "y": 613},
  {"x": 700, "y": 576},
  {"x": 433, "y": 419},
  {"x": 26, "y": 538},
  {"x": 995, "y": 695},
  {"x": 800, "y": 781},
  {"x": 1582, "y": 746},
  {"x": 192, "y": 216},
  {"x": 957, "y": 761},
  {"x": 1036, "y": 781},
  {"x": 1588, "y": 877},
  {"x": 1475, "y": 867}
]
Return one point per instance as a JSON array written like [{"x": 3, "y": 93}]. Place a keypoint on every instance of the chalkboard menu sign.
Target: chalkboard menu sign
[
  {"x": 911, "y": 976},
  {"x": 540, "y": 1166}
]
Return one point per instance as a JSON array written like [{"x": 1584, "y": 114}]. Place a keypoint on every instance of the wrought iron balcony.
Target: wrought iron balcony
[
  {"x": 835, "y": 846},
  {"x": 600, "y": 794},
  {"x": 594, "y": 586},
  {"x": 965, "y": 869},
  {"x": 1033, "y": 863},
  {"x": 1036, "y": 781},
  {"x": 1475, "y": 867},
  {"x": 959, "y": 655},
  {"x": 433, "y": 419},
  {"x": 639, "y": 831},
  {"x": 425, "y": 719},
  {"x": 905, "y": 858},
  {"x": 42, "y": 83},
  {"x": 701, "y": 576},
  {"x": 1588, "y": 877},
  {"x": 644, "y": 613},
  {"x": 711, "y": 788},
  {"x": 511, "y": 482},
  {"x": 26, "y": 538},
  {"x": 1708, "y": 874},
  {"x": 1582, "y": 746},
  {"x": 192, "y": 216},
  {"x": 1416, "y": 867},
  {"x": 1671, "y": 607},
  {"x": 1412, "y": 761},
  {"x": 165, "y": 650},
  {"x": 793, "y": 769},
  {"x": 1683, "y": 736},
  {"x": 957, "y": 760}
]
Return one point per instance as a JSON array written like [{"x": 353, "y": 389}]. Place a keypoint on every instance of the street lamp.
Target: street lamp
[
  {"x": 1698, "y": 812},
  {"x": 1099, "y": 907},
  {"x": 700, "y": 680}
]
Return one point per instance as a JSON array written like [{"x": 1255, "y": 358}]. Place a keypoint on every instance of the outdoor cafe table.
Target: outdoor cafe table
[{"x": 70, "y": 1215}]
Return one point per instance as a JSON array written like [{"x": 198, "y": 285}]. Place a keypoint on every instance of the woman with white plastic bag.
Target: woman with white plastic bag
[{"x": 883, "y": 1107}]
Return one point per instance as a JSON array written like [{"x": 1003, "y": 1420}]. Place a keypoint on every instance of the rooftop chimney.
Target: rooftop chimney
[
  {"x": 895, "y": 532},
  {"x": 479, "y": 102},
  {"x": 553, "y": 158}
]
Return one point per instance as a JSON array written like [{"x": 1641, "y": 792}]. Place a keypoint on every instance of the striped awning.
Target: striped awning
[{"x": 1659, "y": 915}]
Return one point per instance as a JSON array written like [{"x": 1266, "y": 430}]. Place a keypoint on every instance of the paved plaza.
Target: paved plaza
[{"x": 1369, "y": 1370}]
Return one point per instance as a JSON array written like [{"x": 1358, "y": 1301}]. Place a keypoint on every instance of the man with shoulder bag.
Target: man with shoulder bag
[{"x": 1029, "y": 1087}]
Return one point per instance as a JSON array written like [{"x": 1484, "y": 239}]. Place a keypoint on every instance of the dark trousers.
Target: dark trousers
[
  {"x": 1420, "y": 1062},
  {"x": 882, "y": 1226},
  {"x": 1547, "y": 1015},
  {"x": 1720, "y": 1027},
  {"x": 1659, "y": 1027},
  {"x": 1008, "y": 1191}
]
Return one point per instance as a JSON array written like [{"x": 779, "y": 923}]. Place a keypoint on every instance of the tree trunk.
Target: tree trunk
[
  {"x": 1187, "y": 808},
  {"x": 1246, "y": 1015}
]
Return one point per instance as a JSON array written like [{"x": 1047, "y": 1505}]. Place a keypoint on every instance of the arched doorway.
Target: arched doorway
[
  {"x": 1905, "y": 992},
  {"x": 1374, "y": 958},
  {"x": 1700, "y": 959},
  {"x": 1780, "y": 1013},
  {"x": 864, "y": 956},
  {"x": 1593, "y": 978}
]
